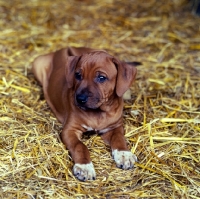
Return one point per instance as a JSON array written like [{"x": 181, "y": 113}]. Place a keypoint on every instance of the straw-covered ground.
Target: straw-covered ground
[{"x": 162, "y": 120}]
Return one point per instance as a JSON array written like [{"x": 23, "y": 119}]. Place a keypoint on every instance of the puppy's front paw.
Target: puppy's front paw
[
  {"x": 84, "y": 171},
  {"x": 124, "y": 159}
]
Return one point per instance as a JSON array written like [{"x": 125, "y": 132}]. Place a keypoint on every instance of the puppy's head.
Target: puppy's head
[{"x": 97, "y": 78}]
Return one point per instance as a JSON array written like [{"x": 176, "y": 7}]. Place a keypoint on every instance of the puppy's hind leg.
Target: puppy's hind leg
[{"x": 42, "y": 67}]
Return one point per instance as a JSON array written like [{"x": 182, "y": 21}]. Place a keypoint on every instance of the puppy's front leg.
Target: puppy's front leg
[
  {"x": 83, "y": 168},
  {"x": 123, "y": 157}
]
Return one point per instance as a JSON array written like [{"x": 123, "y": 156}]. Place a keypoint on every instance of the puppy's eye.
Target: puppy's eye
[
  {"x": 78, "y": 76},
  {"x": 101, "y": 78}
]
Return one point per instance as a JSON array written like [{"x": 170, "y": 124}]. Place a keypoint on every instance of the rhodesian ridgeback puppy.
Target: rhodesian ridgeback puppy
[{"x": 84, "y": 88}]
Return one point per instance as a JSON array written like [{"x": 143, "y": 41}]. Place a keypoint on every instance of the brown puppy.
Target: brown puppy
[{"x": 84, "y": 88}]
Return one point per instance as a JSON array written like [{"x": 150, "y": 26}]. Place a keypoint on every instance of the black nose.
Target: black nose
[{"x": 81, "y": 98}]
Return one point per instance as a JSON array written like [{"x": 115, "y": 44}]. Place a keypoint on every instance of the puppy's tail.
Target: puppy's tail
[{"x": 134, "y": 63}]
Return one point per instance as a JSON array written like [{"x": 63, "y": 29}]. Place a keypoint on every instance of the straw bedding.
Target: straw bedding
[{"x": 162, "y": 119}]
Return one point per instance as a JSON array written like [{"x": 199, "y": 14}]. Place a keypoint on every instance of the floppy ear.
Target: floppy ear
[
  {"x": 71, "y": 63},
  {"x": 125, "y": 76}
]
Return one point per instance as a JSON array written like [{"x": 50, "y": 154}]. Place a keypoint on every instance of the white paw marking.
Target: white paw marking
[
  {"x": 84, "y": 171},
  {"x": 124, "y": 159}
]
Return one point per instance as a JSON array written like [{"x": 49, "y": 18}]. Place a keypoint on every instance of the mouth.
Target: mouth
[
  {"x": 89, "y": 109},
  {"x": 85, "y": 108}
]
